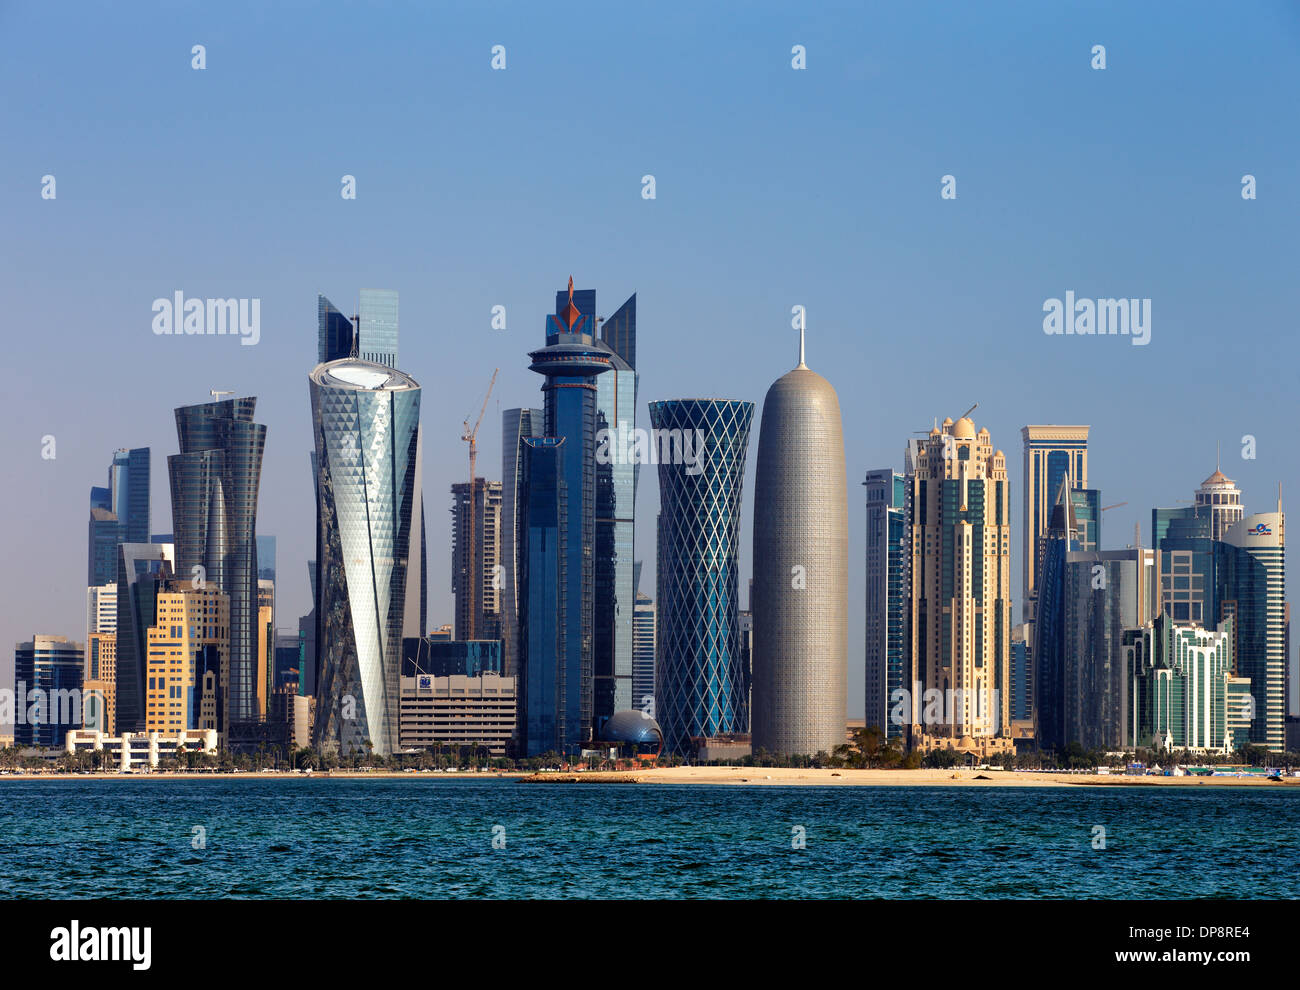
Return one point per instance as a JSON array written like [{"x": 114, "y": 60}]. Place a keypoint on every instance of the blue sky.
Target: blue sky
[{"x": 774, "y": 187}]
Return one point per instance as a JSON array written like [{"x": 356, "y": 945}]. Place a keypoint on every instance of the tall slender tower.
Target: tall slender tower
[
  {"x": 700, "y": 683},
  {"x": 517, "y": 425},
  {"x": 960, "y": 619},
  {"x": 366, "y": 420},
  {"x": 1051, "y": 453},
  {"x": 214, "y": 485},
  {"x": 799, "y": 598}
]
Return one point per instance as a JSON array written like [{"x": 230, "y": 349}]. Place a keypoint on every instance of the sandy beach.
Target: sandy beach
[
  {"x": 761, "y": 776},
  {"x": 740, "y": 776}
]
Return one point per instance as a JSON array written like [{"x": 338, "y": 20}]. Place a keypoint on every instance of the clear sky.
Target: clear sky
[{"x": 774, "y": 187}]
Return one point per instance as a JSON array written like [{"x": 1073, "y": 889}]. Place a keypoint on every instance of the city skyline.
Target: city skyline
[{"x": 99, "y": 301}]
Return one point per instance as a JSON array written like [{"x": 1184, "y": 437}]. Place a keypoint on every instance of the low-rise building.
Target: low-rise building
[
  {"x": 133, "y": 750},
  {"x": 457, "y": 710}
]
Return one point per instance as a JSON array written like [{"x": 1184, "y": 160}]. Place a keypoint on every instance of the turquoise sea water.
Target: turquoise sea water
[{"x": 434, "y": 839}]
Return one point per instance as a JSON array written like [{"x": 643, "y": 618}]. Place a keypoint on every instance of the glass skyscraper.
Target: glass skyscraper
[
  {"x": 366, "y": 422},
  {"x": 214, "y": 486},
  {"x": 585, "y": 635},
  {"x": 1252, "y": 592},
  {"x": 119, "y": 513},
  {"x": 1105, "y": 593},
  {"x": 700, "y": 684},
  {"x": 516, "y": 426},
  {"x": 1052, "y": 453},
  {"x": 370, "y": 336},
  {"x": 53, "y": 666},
  {"x": 1049, "y": 645},
  {"x": 141, "y": 568},
  {"x": 615, "y": 589},
  {"x": 887, "y": 601}
]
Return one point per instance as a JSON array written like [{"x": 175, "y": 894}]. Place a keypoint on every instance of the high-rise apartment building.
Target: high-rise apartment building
[
  {"x": 960, "y": 608},
  {"x": 1182, "y": 690},
  {"x": 800, "y": 563},
  {"x": 99, "y": 683},
  {"x": 476, "y": 582},
  {"x": 700, "y": 684},
  {"x": 370, "y": 561},
  {"x": 1051, "y": 453}
]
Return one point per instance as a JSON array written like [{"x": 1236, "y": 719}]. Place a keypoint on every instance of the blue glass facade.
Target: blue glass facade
[
  {"x": 445, "y": 657},
  {"x": 594, "y": 568},
  {"x": 701, "y": 685},
  {"x": 141, "y": 567},
  {"x": 887, "y": 652},
  {"x": 47, "y": 675},
  {"x": 615, "y": 586},
  {"x": 119, "y": 513},
  {"x": 377, "y": 327},
  {"x": 550, "y": 703},
  {"x": 1049, "y": 648},
  {"x": 516, "y": 426}
]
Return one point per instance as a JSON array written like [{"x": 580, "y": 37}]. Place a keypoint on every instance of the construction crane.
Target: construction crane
[
  {"x": 1115, "y": 506},
  {"x": 471, "y": 437},
  {"x": 217, "y": 393}
]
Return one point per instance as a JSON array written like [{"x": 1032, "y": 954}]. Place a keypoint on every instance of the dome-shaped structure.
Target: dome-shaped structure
[
  {"x": 964, "y": 429},
  {"x": 631, "y": 726},
  {"x": 800, "y": 654}
]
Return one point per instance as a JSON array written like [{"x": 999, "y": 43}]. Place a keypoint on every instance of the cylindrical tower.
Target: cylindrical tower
[
  {"x": 700, "y": 446},
  {"x": 800, "y": 654}
]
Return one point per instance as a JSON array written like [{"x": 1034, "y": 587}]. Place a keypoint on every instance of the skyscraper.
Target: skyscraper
[
  {"x": 141, "y": 569},
  {"x": 886, "y": 612},
  {"x": 553, "y": 708},
  {"x": 616, "y": 479},
  {"x": 960, "y": 621},
  {"x": 1051, "y": 453},
  {"x": 587, "y": 617},
  {"x": 366, "y": 422},
  {"x": 476, "y": 583},
  {"x": 700, "y": 683},
  {"x": 643, "y": 654},
  {"x": 119, "y": 513},
  {"x": 1253, "y": 593},
  {"x": 214, "y": 488},
  {"x": 516, "y": 426},
  {"x": 371, "y": 335},
  {"x": 800, "y": 568},
  {"x": 52, "y": 666},
  {"x": 1105, "y": 593},
  {"x": 1050, "y": 646},
  {"x": 1223, "y": 499}
]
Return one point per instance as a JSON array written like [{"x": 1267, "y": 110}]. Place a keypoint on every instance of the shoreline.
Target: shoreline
[{"x": 727, "y": 776}]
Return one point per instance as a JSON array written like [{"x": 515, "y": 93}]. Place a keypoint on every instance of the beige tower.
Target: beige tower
[
  {"x": 799, "y": 596},
  {"x": 961, "y": 591}
]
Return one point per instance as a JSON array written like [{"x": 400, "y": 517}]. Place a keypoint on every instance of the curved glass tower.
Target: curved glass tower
[
  {"x": 214, "y": 485},
  {"x": 701, "y": 684},
  {"x": 800, "y": 568},
  {"x": 366, "y": 420}
]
